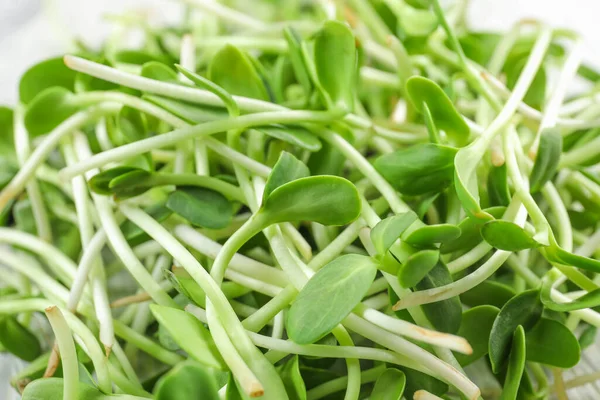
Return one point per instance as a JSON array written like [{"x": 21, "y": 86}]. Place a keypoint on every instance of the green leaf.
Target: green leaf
[
  {"x": 389, "y": 386},
  {"x": 505, "y": 235},
  {"x": 186, "y": 380},
  {"x": 335, "y": 41},
  {"x": 536, "y": 94},
  {"x": 497, "y": 184},
  {"x": 413, "y": 21},
  {"x": 132, "y": 125},
  {"x": 416, "y": 380},
  {"x": 136, "y": 57},
  {"x": 329, "y": 296},
  {"x": 488, "y": 293},
  {"x": 136, "y": 235},
  {"x": 130, "y": 184},
  {"x": 295, "y": 54},
  {"x": 552, "y": 343},
  {"x": 524, "y": 309},
  {"x": 49, "y": 73},
  {"x": 416, "y": 267},
  {"x": 296, "y": 136},
  {"x": 516, "y": 365},
  {"x": 100, "y": 183},
  {"x": 191, "y": 113},
  {"x": 287, "y": 169},
  {"x": 48, "y": 109},
  {"x": 555, "y": 253},
  {"x": 588, "y": 336},
  {"x": 310, "y": 199},
  {"x": 292, "y": 380},
  {"x": 546, "y": 161},
  {"x": 419, "y": 169},
  {"x": 445, "y": 315},
  {"x": 466, "y": 161},
  {"x": 7, "y": 143},
  {"x": 428, "y": 234},
  {"x": 159, "y": 72},
  {"x": 200, "y": 206},
  {"x": 52, "y": 389},
  {"x": 470, "y": 232},
  {"x": 189, "y": 334},
  {"x": 476, "y": 326},
  {"x": 327, "y": 161},
  {"x": 387, "y": 231},
  {"x": 18, "y": 340},
  {"x": 233, "y": 70},
  {"x": 425, "y": 92}
]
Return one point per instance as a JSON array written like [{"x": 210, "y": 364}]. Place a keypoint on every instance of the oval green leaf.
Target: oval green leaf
[
  {"x": 547, "y": 159},
  {"x": 43, "y": 75},
  {"x": 296, "y": 136},
  {"x": 429, "y": 234},
  {"x": 422, "y": 91},
  {"x": 191, "y": 113},
  {"x": 387, "y": 231},
  {"x": 287, "y": 168},
  {"x": 100, "y": 183},
  {"x": 335, "y": 41},
  {"x": 233, "y": 70},
  {"x": 524, "y": 309},
  {"x": 329, "y": 296},
  {"x": 476, "y": 326},
  {"x": 516, "y": 366},
  {"x": 552, "y": 343},
  {"x": 48, "y": 109},
  {"x": 186, "y": 381},
  {"x": 189, "y": 334},
  {"x": 200, "y": 206},
  {"x": 497, "y": 185},
  {"x": 420, "y": 169},
  {"x": 416, "y": 267},
  {"x": 311, "y": 199},
  {"x": 445, "y": 315},
  {"x": 18, "y": 340},
  {"x": 159, "y": 72},
  {"x": 470, "y": 232},
  {"x": 389, "y": 386},
  {"x": 505, "y": 235},
  {"x": 488, "y": 293}
]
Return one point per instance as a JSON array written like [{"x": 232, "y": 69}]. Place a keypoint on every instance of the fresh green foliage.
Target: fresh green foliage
[
  {"x": 428, "y": 234},
  {"x": 423, "y": 93},
  {"x": 186, "y": 381},
  {"x": 386, "y": 232},
  {"x": 420, "y": 169},
  {"x": 48, "y": 109},
  {"x": 476, "y": 326},
  {"x": 546, "y": 161},
  {"x": 290, "y": 374},
  {"x": 18, "y": 340},
  {"x": 445, "y": 315},
  {"x": 200, "y": 206},
  {"x": 287, "y": 169},
  {"x": 516, "y": 365},
  {"x": 542, "y": 344},
  {"x": 231, "y": 193},
  {"x": 309, "y": 199},
  {"x": 524, "y": 309},
  {"x": 335, "y": 41},
  {"x": 505, "y": 235},
  {"x": 329, "y": 296},
  {"x": 389, "y": 386},
  {"x": 189, "y": 334},
  {"x": 417, "y": 266},
  {"x": 49, "y": 73}
]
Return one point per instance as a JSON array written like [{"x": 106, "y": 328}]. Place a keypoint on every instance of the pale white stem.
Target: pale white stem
[
  {"x": 298, "y": 240},
  {"x": 425, "y": 395},
  {"x": 68, "y": 354},
  {"x": 227, "y": 14},
  {"x": 240, "y": 263},
  {"x": 49, "y": 143}
]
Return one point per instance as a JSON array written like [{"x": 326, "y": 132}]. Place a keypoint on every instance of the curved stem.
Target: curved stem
[
  {"x": 68, "y": 355},
  {"x": 228, "y": 190}
]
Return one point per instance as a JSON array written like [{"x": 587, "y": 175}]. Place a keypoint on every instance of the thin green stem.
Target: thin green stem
[{"x": 68, "y": 355}]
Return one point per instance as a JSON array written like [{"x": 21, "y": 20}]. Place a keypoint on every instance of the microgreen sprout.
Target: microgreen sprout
[{"x": 301, "y": 202}]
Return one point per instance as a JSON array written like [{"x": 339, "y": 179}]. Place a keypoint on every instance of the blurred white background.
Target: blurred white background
[{"x": 31, "y": 30}]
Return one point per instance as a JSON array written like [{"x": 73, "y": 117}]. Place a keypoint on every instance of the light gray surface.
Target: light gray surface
[{"x": 31, "y": 30}]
